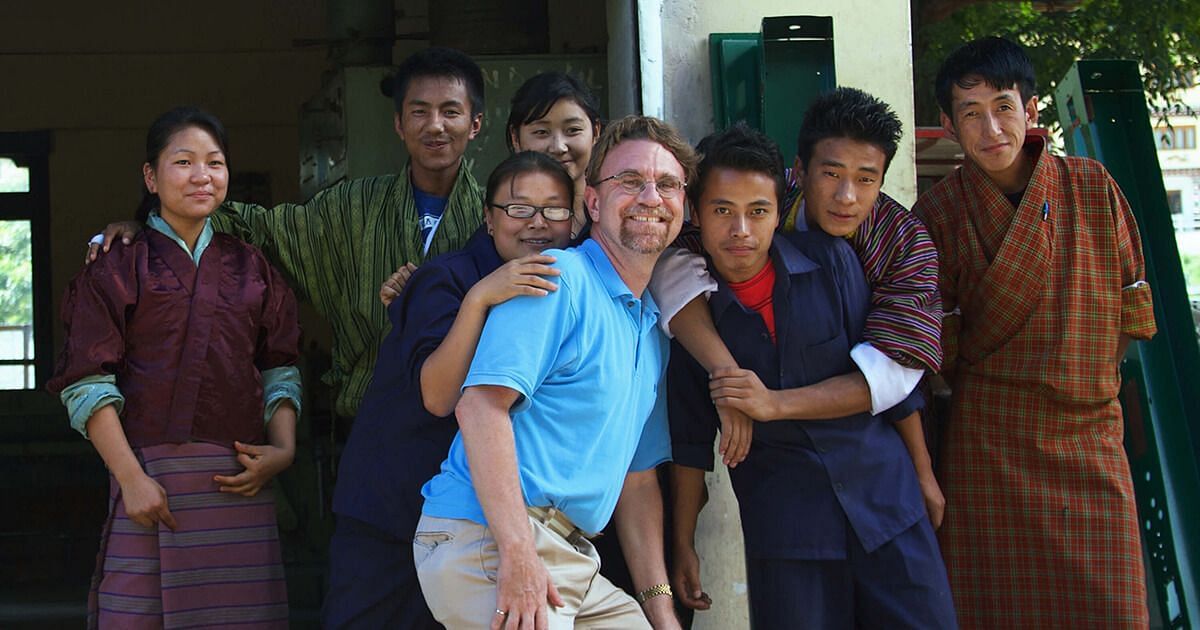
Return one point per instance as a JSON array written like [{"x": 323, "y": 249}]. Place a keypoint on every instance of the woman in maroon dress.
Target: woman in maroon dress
[{"x": 178, "y": 365}]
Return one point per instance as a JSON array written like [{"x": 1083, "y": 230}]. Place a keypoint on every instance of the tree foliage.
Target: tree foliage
[
  {"x": 16, "y": 274},
  {"x": 1164, "y": 35}
]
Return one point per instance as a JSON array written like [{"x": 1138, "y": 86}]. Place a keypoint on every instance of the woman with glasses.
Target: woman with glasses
[{"x": 405, "y": 423}]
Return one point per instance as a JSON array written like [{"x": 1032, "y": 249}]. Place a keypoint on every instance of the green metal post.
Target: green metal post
[{"x": 1102, "y": 108}]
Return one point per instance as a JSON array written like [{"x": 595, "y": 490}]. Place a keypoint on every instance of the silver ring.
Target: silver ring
[
  {"x": 502, "y": 613},
  {"x": 96, "y": 240}
]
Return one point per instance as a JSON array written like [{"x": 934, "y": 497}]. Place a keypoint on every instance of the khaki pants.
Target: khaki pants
[{"x": 457, "y": 561}]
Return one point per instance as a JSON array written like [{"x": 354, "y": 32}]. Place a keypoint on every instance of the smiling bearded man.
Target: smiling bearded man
[{"x": 560, "y": 415}]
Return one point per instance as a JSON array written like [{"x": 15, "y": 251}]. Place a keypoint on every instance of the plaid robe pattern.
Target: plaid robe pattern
[
  {"x": 900, "y": 262},
  {"x": 1041, "y": 526},
  {"x": 337, "y": 248}
]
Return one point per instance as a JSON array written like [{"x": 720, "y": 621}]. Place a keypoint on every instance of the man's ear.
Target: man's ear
[
  {"x": 1031, "y": 111},
  {"x": 591, "y": 201},
  {"x": 476, "y": 125},
  {"x": 398, "y": 125},
  {"x": 948, "y": 126}
]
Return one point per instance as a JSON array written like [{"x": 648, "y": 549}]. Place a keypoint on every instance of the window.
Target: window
[
  {"x": 13, "y": 178},
  {"x": 1176, "y": 137},
  {"x": 1175, "y": 201},
  {"x": 25, "y": 322},
  {"x": 16, "y": 306}
]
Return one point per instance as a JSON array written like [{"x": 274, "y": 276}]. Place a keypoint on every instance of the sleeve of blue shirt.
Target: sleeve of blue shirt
[
  {"x": 693, "y": 418},
  {"x": 524, "y": 340}
]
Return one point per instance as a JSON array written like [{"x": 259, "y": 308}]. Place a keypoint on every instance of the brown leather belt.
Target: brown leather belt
[{"x": 557, "y": 522}]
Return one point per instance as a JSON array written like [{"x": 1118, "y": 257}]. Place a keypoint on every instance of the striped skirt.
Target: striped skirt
[
  {"x": 1041, "y": 527},
  {"x": 221, "y": 566}
]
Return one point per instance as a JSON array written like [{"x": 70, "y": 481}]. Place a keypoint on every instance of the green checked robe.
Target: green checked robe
[{"x": 339, "y": 247}]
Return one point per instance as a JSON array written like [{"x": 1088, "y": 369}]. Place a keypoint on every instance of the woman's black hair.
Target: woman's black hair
[
  {"x": 159, "y": 136},
  {"x": 537, "y": 95},
  {"x": 528, "y": 162}
]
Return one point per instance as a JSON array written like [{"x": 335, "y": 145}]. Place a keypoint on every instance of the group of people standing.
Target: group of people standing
[{"x": 523, "y": 361}]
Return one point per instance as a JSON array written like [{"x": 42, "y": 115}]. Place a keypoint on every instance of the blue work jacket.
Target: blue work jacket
[{"x": 804, "y": 482}]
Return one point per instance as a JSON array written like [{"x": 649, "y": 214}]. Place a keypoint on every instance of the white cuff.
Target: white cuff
[
  {"x": 679, "y": 277},
  {"x": 888, "y": 381}
]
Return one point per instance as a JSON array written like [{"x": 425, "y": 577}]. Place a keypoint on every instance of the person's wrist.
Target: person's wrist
[
  {"x": 660, "y": 611},
  {"x": 661, "y": 591},
  {"x": 774, "y": 405},
  {"x": 683, "y": 543},
  {"x": 520, "y": 546},
  {"x": 472, "y": 300},
  {"x": 128, "y": 472},
  {"x": 287, "y": 454}
]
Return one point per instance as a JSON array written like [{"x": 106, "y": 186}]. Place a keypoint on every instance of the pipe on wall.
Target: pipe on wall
[{"x": 650, "y": 56}]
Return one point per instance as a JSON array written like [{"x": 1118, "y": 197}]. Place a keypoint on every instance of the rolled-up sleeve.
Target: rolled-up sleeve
[
  {"x": 1137, "y": 304},
  {"x": 94, "y": 314},
  {"x": 679, "y": 277},
  {"x": 280, "y": 384},
  {"x": 888, "y": 381},
  {"x": 85, "y": 397},
  {"x": 278, "y": 344},
  {"x": 513, "y": 354}
]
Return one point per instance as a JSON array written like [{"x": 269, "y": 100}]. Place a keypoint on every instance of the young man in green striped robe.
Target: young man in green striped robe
[{"x": 338, "y": 247}]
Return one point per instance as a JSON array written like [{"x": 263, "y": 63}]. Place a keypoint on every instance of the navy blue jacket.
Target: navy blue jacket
[
  {"x": 395, "y": 445},
  {"x": 802, "y": 480}
]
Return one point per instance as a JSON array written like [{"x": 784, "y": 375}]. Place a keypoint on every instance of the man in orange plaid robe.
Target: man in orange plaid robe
[{"x": 1042, "y": 279}]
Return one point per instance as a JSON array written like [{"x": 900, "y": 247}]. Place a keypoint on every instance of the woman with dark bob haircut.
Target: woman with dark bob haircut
[{"x": 179, "y": 367}]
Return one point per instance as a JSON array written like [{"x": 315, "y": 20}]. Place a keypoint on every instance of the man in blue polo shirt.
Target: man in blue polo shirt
[
  {"x": 560, "y": 416},
  {"x": 835, "y": 525}
]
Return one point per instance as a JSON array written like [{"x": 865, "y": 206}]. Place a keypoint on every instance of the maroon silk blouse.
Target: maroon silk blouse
[{"x": 186, "y": 343}]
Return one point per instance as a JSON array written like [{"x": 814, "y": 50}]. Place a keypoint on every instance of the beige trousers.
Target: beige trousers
[{"x": 457, "y": 561}]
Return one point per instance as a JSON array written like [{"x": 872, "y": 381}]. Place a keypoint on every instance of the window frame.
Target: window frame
[
  {"x": 31, "y": 149},
  {"x": 1181, "y": 137}
]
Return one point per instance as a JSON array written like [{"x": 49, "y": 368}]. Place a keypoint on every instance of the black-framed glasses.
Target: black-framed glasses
[
  {"x": 526, "y": 211},
  {"x": 634, "y": 184}
]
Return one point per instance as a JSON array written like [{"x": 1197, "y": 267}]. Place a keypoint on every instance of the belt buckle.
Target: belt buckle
[{"x": 557, "y": 522}]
